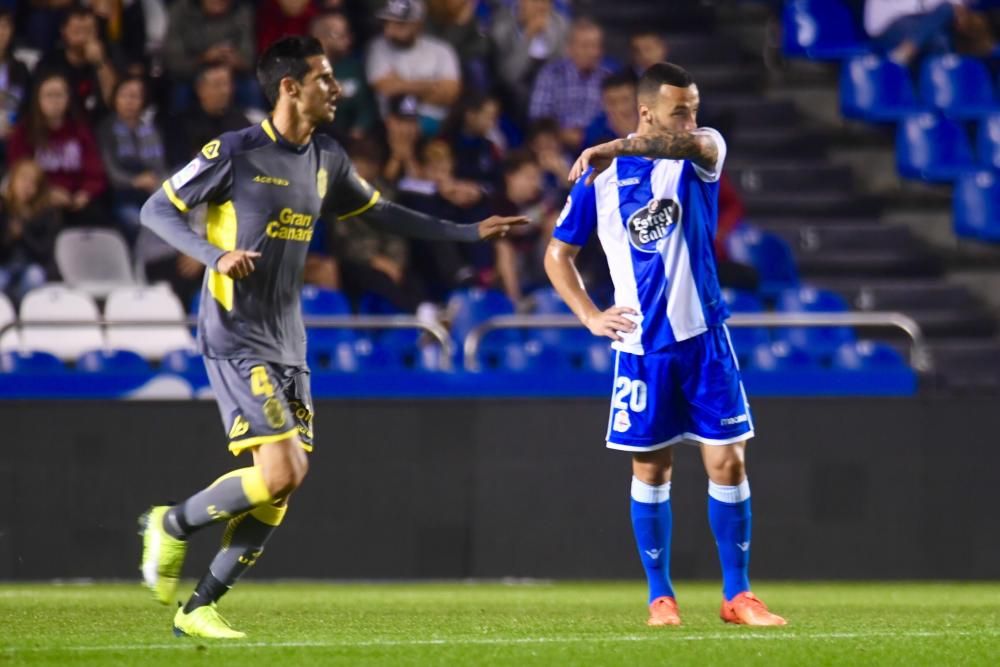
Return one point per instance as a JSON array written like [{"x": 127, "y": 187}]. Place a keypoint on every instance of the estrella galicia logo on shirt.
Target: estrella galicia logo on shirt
[{"x": 653, "y": 223}]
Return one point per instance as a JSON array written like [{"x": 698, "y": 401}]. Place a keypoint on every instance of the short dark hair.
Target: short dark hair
[
  {"x": 660, "y": 74},
  {"x": 618, "y": 79},
  {"x": 543, "y": 125},
  {"x": 76, "y": 12},
  {"x": 517, "y": 159},
  {"x": 286, "y": 57},
  {"x": 207, "y": 67}
]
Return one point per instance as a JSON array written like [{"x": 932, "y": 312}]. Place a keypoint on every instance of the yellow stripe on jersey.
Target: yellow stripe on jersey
[
  {"x": 221, "y": 223},
  {"x": 359, "y": 211},
  {"x": 268, "y": 130},
  {"x": 174, "y": 199}
]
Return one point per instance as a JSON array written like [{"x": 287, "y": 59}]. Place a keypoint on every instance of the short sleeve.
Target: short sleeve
[
  {"x": 349, "y": 194},
  {"x": 714, "y": 174},
  {"x": 206, "y": 178},
  {"x": 579, "y": 216}
]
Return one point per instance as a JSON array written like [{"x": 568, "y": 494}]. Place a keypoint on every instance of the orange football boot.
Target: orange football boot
[
  {"x": 748, "y": 609},
  {"x": 663, "y": 611}
]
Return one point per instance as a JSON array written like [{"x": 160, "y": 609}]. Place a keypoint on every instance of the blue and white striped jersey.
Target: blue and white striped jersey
[{"x": 656, "y": 220}]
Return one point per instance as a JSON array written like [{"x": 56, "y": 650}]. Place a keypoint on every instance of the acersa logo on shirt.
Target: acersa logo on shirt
[{"x": 653, "y": 223}]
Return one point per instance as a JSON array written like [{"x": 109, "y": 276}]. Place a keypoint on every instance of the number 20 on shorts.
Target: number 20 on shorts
[{"x": 633, "y": 391}]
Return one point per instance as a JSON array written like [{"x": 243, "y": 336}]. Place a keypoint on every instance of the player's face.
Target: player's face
[
  {"x": 673, "y": 110},
  {"x": 317, "y": 95}
]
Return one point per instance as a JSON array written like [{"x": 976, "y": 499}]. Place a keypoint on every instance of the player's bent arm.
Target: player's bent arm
[
  {"x": 560, "y": 266},
  {"x": 163, "y": 218},
  {"x": 697, "y": 147}
]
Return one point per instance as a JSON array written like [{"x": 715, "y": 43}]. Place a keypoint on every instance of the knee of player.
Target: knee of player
[
  {"x": 729, "y": 470},
  {"x": 286, "y": 474}
]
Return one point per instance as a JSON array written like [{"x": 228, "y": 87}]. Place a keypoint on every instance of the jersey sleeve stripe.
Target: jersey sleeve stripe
[
  {"x": 358, "y": 211},
  {"x": 174, "y": 199}
]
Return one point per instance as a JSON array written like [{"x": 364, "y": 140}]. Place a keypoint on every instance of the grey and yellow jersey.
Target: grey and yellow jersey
[{"x": 264, "y": 194}]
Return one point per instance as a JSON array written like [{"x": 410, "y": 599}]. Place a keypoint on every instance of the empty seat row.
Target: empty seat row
[
  {"x": 931, "y": 147},
  {"x": 879, "y": 90}
]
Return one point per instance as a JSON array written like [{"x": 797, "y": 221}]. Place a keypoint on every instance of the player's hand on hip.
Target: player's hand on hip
[
  {"x": 497, "y": 226},
  {"x": 599, "y": 157},
  {"x": 612, "y": 323},
  {"x": 237, "y": 263}
]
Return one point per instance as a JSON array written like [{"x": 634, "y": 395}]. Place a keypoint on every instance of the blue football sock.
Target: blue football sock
[
  {"x": 651, "y": 522},
  {"x": 729, "y": 515}
]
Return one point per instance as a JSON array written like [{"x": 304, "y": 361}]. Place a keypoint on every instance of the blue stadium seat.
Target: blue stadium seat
[
  {"x": 548, "y": 302},
  {"x": 821, "y": 341},
  {"x": 375, "y": 304},
  {"x": 932, "y": 148},
  {"x": 30, "y": 362},
  {"x": 767, "y": 253},
  {"x": 598, "y": 358},
  {"x": 988, "y": 141},
  {"x": 976, "y": 204},
  {"x": 745, "y": 339},
  {"x": 780, "y": 356},
  {"x": 112, "y": 361},
  {"x": 867, "y": 355},
  {"x": 322, "y": 302},
  {"x": 532, "y": 356},
  {"x": 877, "y": 90},
  {"x": 341, "y": 357},
  {"x": 959, "y": 87},
  {"x": 469, "y": 308},
  {"x": 820, "y": 30},
  {"x": 186, "y": 363}
]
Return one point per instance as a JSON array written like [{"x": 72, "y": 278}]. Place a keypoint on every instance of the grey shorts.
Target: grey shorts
[{"x": 261, "y": 401}]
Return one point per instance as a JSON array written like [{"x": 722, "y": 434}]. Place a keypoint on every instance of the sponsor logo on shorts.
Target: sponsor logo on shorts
[
  {"x": 732, "y": 421},
  {"x": 274, "y": 413},
  {"x": 240, "y": 428},
  {"x": 653, "y": 223},
  {"x": 622, "y": 422}
]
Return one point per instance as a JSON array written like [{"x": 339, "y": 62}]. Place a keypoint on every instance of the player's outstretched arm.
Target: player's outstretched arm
[
  {"x": 561, "y": 269},
  {"x": 391, "y": 217},
  {"x": 696, "y": 146},
  {"x": 163, "y": 218}
]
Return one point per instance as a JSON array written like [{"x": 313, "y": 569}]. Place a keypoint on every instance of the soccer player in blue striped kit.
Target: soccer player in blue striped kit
[{"x": 653, "y": 199}]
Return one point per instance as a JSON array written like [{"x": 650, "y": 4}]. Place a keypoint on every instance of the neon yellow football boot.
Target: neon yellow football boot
[
  {"x": 162, "y": 555},
  {"x": 204, "y": 622}
]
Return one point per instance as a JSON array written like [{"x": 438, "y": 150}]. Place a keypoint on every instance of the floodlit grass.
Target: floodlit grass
[{"x": 494, "y": 624}]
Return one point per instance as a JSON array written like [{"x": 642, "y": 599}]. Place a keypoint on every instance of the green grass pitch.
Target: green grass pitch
[{"x": 496, "y": 624}]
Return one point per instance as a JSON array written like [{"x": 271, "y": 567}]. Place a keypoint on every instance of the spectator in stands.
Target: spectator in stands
[
  {"x": 906, "y": 29},
  {"x": 543, "y": 140},
  {"x": 83, "y": 59},
  {"x": 620, "y": 115},
  {"x": 569, "y": 89},
  {"x": 211, "y": 31},
  {"x": 53, "y": 134},
  {"x": 28, "y": 226},
  {"x": 476, "y": 140},
  {"x": 133, "y": 154},
  {"x": 402, "y": 133},
  {"x": 646, "y": 47},
  {"x": 42, "y": 21},
  {"x": 213, "y": 115},
  {"x": 403, "y": 61},
  {"x": 442, "y": 266},
  {"x": 121, "y": 24},
  {"x": 371, "y": 260},
  {"x": 356, "y": 113},
  {"x": 14, "y": 78},
  {"x": 455, "y": 22},
  {"x": 519, "y": 256},
  {"x": 525, "y": 39},
  {"x": 277, "y": 18}
]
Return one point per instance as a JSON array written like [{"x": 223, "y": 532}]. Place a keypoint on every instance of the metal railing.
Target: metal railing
[
  {"x": 920, "y": 359},
  {"x": 368, "y": 322}
]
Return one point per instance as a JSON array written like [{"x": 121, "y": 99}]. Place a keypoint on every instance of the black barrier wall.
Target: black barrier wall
[{"x": 873, "y": 488}]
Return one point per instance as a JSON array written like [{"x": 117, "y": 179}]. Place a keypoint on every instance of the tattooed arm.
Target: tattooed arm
[{"x": 702, "y": 147}]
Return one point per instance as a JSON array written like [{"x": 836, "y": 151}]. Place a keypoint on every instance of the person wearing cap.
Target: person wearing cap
[{"x": 404, "y": 61}]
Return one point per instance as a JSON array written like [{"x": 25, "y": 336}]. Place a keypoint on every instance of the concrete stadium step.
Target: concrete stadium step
[
  {"x": 728, "y": 78},
  {"x": 967, "y": 365},
  {"x": 870, "y": 263},
  {"x": 902, "y": 294},
  {"x": 692, "y": 49},
  {"x": 752, "y": 143},
  {"x": 792, "y": 176},
  {"x": 788, "y": 223},
  {"x": 809, "y": 239},
  {"x": 809, "y": 202},
  {"x": 745, "y": 112}
]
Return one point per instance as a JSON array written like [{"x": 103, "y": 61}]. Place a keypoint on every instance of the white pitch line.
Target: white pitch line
[{"x": 773, "y": 635}]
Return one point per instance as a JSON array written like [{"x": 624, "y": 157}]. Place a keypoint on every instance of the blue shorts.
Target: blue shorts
[{"x": 691, "y": 391}]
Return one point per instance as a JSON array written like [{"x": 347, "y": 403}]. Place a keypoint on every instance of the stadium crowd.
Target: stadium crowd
[{"x": 452, "y": 107}]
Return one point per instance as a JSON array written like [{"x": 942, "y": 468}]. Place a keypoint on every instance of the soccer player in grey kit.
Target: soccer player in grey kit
[{"x": 265, "y": 187}]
